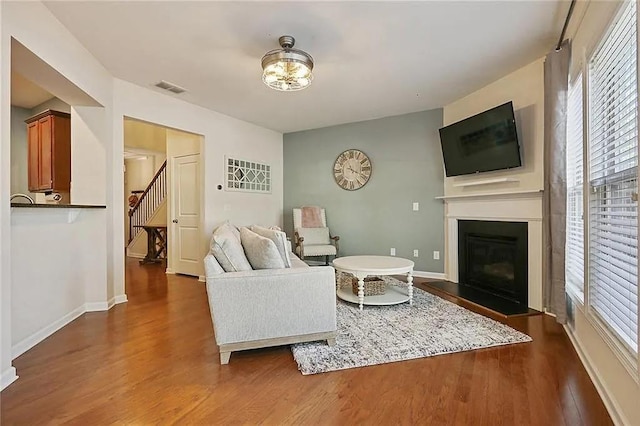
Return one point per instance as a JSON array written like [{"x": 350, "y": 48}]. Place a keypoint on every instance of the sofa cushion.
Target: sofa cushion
[
  {"x": 227, "y": 249},
  {"x": 314, "y": 235},
  {"x": 261, "y": 251},
  {"x": 297, "y": 263},
  {"x": 318, "y": 250},
  {"x": 279, "y": 238}
]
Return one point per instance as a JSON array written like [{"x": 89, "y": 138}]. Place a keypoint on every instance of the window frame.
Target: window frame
[
  {"x": 580, "y": 299},
  {"x": 630, "y": 360}
]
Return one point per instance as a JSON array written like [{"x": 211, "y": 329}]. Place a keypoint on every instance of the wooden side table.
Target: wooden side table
[{"x": 156, "y": 243}]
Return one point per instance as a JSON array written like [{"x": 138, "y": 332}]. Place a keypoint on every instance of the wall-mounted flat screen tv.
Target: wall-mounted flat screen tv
[{"x": 482, "y": 143}]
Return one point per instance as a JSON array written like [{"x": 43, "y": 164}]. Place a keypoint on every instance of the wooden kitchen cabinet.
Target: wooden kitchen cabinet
[{"x": 49, "y": 151}]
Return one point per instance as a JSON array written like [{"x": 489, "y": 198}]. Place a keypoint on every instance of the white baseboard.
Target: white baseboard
[
  {"x": 135, "y": 255},
  {"x": 614, "y": 410},
  {"x": 434, "y": 275},
  {"x": 96, "y": 306},
  {"x": 121, "y": 298},
  {"x": 202, "y": 279},
  {"x": 8, "y": 376},
  {"x": 105, "y": 306},
  {"x": 37, "y": 337},
  {"x": 170, "y": 271}
]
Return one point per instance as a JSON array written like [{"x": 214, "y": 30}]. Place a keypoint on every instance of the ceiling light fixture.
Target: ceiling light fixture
[{"x": 287, "y": 69}]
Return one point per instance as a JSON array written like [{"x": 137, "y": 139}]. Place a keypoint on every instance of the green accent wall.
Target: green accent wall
[{"x": 407, "y": 168}]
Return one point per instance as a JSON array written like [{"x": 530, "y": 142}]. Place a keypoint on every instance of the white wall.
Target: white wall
[
  {"x": 223, "y": 135},
  {"x": 7, "y": 371},
  {"x": 19, "y": 152},
  {"x": 89, "y": 147},
  {"x": 58, "y": 279},
  {"x": 35, "y": 27},
  {"x": 97, "y": 153},
  {"x": 525, "y": 87},
  {"x": 618, "y": 387}
]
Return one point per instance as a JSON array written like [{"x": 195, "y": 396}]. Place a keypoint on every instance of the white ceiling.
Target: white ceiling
[
  {"x": 25, "y": 93},
  {"x": 373, "y": 59}
]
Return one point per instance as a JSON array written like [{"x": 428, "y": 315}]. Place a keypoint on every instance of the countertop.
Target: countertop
[{"x": 57, "y": 206}]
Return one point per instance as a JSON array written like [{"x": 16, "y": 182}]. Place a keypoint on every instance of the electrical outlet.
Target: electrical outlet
[
  {"x": 436, "y": 255},
  {"x": 415, "y": 253},
  {"x": 393, "y": 251},
  {"x": 416, "y": 207}
]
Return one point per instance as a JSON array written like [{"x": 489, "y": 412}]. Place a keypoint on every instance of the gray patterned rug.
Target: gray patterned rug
[{"x": 382, "y": 334}]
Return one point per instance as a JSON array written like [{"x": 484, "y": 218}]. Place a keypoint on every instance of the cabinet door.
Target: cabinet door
[
  {"x": 46, "y": 148},
  {"x": 33, "y": 138}
]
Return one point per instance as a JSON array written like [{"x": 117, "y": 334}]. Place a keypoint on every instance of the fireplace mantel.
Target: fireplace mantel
[
  {"x": 522, "y": 206},
  {"x": 494, "y": 195}
]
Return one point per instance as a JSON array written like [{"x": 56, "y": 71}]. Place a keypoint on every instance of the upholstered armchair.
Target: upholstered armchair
[{"x": 311, "y": 235}]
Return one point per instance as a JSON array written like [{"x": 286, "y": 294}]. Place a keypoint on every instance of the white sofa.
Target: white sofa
[{"x": 270, "y": 307}]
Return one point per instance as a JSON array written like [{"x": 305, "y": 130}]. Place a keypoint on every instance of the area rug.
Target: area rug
[{"x": 383, "y": 334}]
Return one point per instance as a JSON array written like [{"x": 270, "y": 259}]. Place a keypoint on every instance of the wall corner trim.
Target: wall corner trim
[
  {"x": 434, "y": 275},
  {"x": 617, "y": 416},
  {"x": 121, "y": 298},
  {"x": 97, "y": 306},
  {"x": 8, "y": 376}
]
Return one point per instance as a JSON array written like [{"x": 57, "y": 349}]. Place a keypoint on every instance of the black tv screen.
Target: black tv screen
[{"x": 482, "y": 143}]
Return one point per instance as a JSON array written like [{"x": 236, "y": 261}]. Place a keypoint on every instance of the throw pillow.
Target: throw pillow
[
  {"x": 314, "y": 235},
  {"x": 227, "y": 249},
  {"x": 211, "y": 266},
  {"x": 261, "y": 252},
  {"x": 279, "y": 238},
  {"x": 228, "y": 227}
]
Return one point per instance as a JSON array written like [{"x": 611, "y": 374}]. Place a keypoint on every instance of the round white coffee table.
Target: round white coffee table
[{"x": 364, "y": 266}]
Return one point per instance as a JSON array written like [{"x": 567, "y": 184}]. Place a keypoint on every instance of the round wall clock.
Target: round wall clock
[{"x": 352, "y": 169}]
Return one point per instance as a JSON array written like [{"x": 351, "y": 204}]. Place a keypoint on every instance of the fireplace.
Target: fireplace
[{"x": 492, "y": 264}]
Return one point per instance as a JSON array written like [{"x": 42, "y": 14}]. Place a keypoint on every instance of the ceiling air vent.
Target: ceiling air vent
[{"x": 170, "y": 87}]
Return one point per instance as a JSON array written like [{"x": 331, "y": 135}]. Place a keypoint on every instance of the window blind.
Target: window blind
[
  {"x": 574, "y": 250},
  {"x": 613, "y": 176}
]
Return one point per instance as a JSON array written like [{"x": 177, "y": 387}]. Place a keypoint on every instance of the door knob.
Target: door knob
[{"x": 175, "y": 221}]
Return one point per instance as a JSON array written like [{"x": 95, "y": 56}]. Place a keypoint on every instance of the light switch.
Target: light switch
[
  {"x": 393, "y": 251},
  {"x": 436, "y": 255},
  {"x": 416, "y": 207}
]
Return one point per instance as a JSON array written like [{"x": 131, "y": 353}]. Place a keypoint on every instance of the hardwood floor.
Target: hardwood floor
[{"x": 153, "y": 360}]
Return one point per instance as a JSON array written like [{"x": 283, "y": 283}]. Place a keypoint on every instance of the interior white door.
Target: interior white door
[{"x": 185, "y": 199}]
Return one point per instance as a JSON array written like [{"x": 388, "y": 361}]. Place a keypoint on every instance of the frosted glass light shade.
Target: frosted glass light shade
[
  {"x": 287, "y": 75},
  {"x": 287, "y": 69}
]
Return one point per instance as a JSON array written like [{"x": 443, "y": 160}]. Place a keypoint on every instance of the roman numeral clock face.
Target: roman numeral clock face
[{"x": 352, "y": 169}]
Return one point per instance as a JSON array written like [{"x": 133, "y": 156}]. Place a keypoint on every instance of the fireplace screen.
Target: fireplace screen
[
  {"x": 492, "y": 258},
  {"x": 490, "y": 263}
]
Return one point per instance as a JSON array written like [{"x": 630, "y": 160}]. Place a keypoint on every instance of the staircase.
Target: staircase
[{"x": 148, "y": 202}]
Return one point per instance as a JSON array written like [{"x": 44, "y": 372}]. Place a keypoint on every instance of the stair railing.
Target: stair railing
[{"x": 148, "y": 202}]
